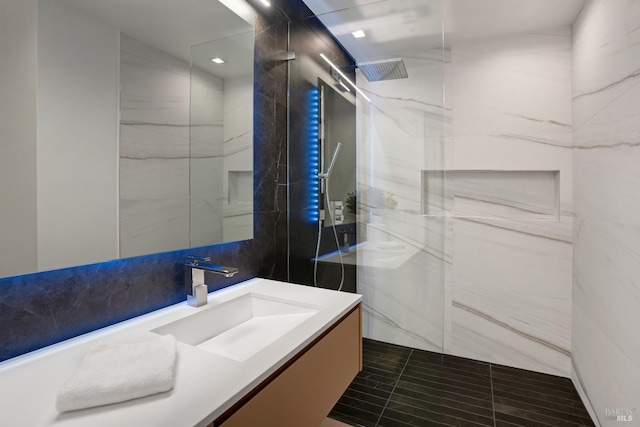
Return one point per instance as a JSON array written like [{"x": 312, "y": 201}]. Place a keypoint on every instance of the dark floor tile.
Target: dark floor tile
[
  {"x": 353, "y": 421},
  {"x": 385, "y": 348},
  {"x": 448, "y": 375},
  {"x": 500, "y": 423},
  {"x": 446, "y": 398},
  {"x": 445, "y": 408},
  {"x": 446, "y": 389},
  {"x": 392, "y": 365},
  {"x": 417, "y": 422},
  {"x": 364, "y": 416},
  {"x": 371, "y": 389},
  {"x": 542, "y": 395},
  {"x": 528, "y": 380},
  {"x": 532, "y": 375},
  {"x": 546, "y": 403},
  {"x": 413, "y": 416},
  {"x": 458, "y": 422},
  {"x": 535, "y": 419},
  {"x": 364, "y": 405},
  {"x": 366, "y": 380},
  {"x": 366, "y": 397},
  {"x": 447, "y": 382},
  {"x": 379, "y": 375},
  {"x": 468, "y": 365},
  {"x": 427, "y": 356}
]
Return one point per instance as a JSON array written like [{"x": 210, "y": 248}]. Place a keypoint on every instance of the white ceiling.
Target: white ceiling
[
  {"x": 173, "y": 26},
  {"x": 402, "y": 27},
  {"x": 479, "y": 19}
]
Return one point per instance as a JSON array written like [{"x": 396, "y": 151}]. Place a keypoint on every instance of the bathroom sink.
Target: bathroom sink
[{"x": 239, "y": 328}]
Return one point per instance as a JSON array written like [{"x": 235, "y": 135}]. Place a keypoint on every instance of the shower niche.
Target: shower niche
[{"x": 492, "y": 194}]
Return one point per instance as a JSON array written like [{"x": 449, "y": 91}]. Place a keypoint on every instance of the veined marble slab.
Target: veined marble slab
[
  {"x": 522, "y": 93},
  {"x": 150, "y": 226},
  {"x": 608, "y": 378},
  {"x": 154, "y": 179},
  {"x": 616, "y": 125},
  {"x": 606, "y": 63},
  {"x": 607, "y": 182},
  {"x": 607, "y": 280},
  {"x": 549, "y": 40},
  {"x": 511, "y": 298},
  {"x": 504, "y": 194}
]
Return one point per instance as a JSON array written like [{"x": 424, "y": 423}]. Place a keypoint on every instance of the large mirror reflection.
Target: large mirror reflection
[{"x": 137, "y": 144}]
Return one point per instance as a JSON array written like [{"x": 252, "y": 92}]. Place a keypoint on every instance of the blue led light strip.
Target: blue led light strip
[{"x": 313, "y": 164}]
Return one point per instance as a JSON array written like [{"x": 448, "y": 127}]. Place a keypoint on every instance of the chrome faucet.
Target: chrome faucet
[{"x": 194, "y": 278}]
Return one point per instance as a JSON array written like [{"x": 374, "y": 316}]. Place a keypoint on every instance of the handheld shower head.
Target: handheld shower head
[{"x": 333, "y": 162}]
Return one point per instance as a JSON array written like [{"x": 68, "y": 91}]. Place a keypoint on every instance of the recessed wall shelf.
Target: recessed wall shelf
[{"x": 492, "y": 194}]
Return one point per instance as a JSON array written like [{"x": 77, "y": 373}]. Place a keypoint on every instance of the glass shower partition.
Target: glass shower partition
[{"x": 397, "y": 258}]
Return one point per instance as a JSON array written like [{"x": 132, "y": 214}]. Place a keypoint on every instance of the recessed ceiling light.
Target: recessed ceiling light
[
  {"x": 265, "y": 2},
  {"x": 217, "y": 60},
  {"x": 359, "y": 34}
]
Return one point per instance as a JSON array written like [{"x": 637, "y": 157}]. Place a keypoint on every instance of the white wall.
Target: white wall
[
  {"x": 238, "y": 155},
  {"x": 78, "y": 61},
  {"x": 154, "y": 150},
  {"x": 509, "y": 277},
  {"x": 207, "y": 157},
  {"x": 606, "y": 155},
  {"x": 18, "y": 110}
]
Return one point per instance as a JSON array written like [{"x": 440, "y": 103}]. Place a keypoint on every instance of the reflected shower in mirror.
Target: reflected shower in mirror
[{"x": 337, "y": 123}]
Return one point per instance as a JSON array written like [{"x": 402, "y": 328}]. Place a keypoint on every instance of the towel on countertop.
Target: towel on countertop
[{"x": 112, "y": 373}]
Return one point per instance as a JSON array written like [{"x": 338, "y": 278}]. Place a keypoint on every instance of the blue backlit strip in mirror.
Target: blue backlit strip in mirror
[{"x": 313, "y": 156}]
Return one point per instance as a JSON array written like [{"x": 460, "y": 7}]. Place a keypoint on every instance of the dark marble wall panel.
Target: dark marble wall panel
[{"x": 309, "y": 38}]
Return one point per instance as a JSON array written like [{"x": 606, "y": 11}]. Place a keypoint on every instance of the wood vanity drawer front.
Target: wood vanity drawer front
[{"x": 304, "y": 393}]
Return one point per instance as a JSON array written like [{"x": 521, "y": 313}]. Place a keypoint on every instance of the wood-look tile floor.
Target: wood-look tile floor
[{"x": 402, "y": 387}]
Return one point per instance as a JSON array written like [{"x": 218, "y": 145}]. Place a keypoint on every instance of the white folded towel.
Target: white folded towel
[{"x": 111, "y": 373}]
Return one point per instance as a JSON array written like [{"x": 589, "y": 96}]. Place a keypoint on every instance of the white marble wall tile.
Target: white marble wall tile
[
  {"x": 511, "y": 290},
  {"x": 516, "y": 94},
  {"x": 151, "y": 226},
  {"x": 520, "y": 152},
  {"x": 238, "y": 153},
  {"x": 508, "y": 280},
  {"x": 206, "y": 220},
  {"x": 606, "y": 377},
  {"x": 483, "y": 331},
  {"x": 605, "y": 60},
  {"x": 401, "y": 311},
  {"x": 156, "y": 174},
  {"x": 207, "y": 114},
  {"x": 609, "y": 253},
  {"x": 553, "y": 39},
  {"x": 154, "y": 179},
  {"x": 143, "y": 141},
  {"x": 607, "y": 184},
  {"x": 617, "y": 124},
  {"x": 505, "y": 194},
  {"x": 606, "y": 289},
  {"x": 154, "y": 86}
]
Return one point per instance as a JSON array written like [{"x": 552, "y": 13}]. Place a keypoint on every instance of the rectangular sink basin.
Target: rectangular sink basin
[{"x": 241, "y": 327}]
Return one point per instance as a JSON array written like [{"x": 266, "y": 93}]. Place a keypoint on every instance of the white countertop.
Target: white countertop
[{"x": 206, "y": 384}]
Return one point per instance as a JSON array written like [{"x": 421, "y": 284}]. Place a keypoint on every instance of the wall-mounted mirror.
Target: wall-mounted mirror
[
  {"x": 141, "y": 146},
  {"x": 337, "y": 124}
]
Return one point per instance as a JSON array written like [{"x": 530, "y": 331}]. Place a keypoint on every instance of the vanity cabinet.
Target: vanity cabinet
[{"x": 304, "y": 390}]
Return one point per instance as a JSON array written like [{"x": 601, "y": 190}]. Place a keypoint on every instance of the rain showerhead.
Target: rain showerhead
[{"x": 388, "y": 69}]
